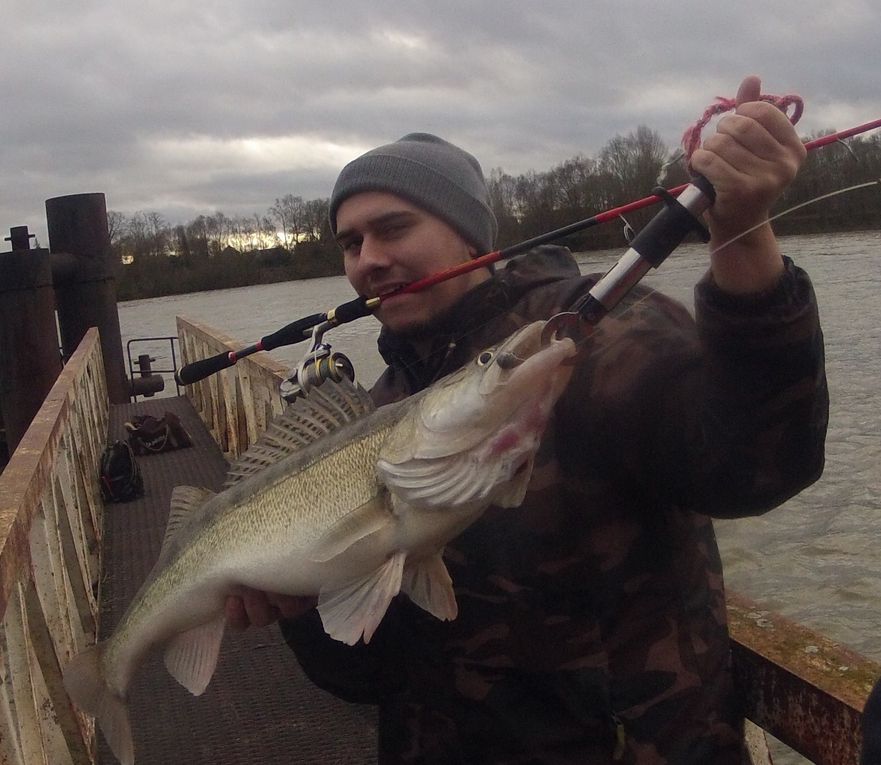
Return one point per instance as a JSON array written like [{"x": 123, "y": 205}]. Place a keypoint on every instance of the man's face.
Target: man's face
[{"x": 388, "y": 242}]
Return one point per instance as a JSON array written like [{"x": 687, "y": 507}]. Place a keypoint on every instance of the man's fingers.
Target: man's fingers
[
  {"x": 236, "y": 617},
  {"x": 254, "y": 608},
  {"x": 750, "y": 90}
]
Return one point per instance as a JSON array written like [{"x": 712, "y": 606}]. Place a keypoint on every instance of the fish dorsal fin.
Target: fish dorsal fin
[
  {"x": 184, "y": 501},
  {"x": 325, "y": 409}
]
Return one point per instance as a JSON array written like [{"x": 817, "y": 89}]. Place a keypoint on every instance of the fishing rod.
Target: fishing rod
[{"x": 683, "y": 207}]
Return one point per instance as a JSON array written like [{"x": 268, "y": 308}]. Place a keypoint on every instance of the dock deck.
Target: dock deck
[{"x": 259, "y": 707}]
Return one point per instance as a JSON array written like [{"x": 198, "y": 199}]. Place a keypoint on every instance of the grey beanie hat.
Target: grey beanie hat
[{"x": 432, "y": 174}]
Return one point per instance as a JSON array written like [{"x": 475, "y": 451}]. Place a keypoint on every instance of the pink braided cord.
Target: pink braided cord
[{"x": 691, "y": 139}]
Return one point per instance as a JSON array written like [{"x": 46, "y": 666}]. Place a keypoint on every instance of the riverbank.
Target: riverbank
[{"x": 161, "y": 277}]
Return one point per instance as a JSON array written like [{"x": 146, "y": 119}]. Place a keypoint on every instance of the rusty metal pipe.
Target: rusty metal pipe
[
  {"x": 78, "y": 227},
  {"x": 29, "y": 357}
]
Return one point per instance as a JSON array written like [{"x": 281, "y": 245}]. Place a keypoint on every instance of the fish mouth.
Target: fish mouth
[{"x": 529, "y": 358}]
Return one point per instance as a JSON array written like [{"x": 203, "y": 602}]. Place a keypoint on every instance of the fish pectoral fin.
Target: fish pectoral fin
[
  {"x": 191, "y": 656},
  {"x": 357, "y": 608},
  {"x": 428, "y": 584},
  {"x": 351, "y": 528}
]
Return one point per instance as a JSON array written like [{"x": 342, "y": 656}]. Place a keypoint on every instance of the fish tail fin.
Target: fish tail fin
[{"x": 87, "y": 688}]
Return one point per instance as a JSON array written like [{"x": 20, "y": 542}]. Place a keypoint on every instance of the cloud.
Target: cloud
[{"x": 187, "y": 109}]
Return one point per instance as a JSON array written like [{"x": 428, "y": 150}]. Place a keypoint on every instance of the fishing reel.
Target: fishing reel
[{"x": 318, "y": 364}]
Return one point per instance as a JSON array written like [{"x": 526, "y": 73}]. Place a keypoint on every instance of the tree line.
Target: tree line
[{"x": 292, "y": 239}]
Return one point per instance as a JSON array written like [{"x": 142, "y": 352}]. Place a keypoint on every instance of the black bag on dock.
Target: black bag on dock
[
  {"x": 151, "y": 435},
  {"x": 120, "y": 476}
]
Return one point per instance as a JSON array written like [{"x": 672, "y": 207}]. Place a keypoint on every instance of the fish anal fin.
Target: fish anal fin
[
  {"x": 191, "y": 656},
  {"x": 356, "y": 609},
  {"x": 351, "y": 528},
  {"x": 87, "y": 689},
  {"x": 428, "y": 584}
]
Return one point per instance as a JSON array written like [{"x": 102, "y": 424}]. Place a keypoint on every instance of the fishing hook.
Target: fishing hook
[{"x": 629, "y": 233}]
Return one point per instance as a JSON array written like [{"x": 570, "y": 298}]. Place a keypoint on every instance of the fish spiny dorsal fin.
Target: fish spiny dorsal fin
[
  {"x": 325, "y": 409},
  {"x": 184, "y": 500}
]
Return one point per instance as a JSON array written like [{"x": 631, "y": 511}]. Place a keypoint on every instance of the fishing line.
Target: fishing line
[
  {"x": 586, "y": 330},
  {"x": 820, "y": 198}
]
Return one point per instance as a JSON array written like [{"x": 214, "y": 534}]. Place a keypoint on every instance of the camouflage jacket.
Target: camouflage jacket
[{"x": 592, "y": 623}]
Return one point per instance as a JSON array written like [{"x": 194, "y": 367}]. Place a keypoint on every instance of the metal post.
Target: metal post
[
  {"x": 29, "y": 357},
  {"x": 78, "y": 226}
]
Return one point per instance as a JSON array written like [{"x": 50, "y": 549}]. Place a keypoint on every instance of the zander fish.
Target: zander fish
[{"x": 338, "y": 499}]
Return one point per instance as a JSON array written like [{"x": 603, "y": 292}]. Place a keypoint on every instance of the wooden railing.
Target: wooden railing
[
  {"x": 50, "y": 534},
  {"x": 238, "y": 402},
  {"x": 796, "y": 684}
]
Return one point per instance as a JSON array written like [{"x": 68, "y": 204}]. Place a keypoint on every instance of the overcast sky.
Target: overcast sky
[{"x": 188, "y": 108}]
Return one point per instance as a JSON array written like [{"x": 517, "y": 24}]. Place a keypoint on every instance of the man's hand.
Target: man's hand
[
  {"x": 254, "y": 608},
  {"x": 750, "y": 160}
]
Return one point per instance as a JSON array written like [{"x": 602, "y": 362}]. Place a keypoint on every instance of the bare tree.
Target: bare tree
[
  {"x": 290, "y": 213},
  {"x": 632, "y": 163},
  {"x": 314, "y": 221}
]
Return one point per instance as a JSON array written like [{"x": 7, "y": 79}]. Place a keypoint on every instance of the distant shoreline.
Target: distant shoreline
[{"x": 326, "y": 267}]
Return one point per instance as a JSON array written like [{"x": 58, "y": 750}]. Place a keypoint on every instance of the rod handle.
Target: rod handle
[{"x": 199, "y": 370}]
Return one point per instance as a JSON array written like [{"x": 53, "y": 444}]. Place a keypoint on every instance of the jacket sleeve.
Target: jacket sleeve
[
  {"x": 762, "y": 427},
  {"x": 724, "y": 415},
  {"x": 362, "y": 673}
]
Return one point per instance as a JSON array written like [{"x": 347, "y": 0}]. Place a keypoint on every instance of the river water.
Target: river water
[{"x": 815, "y": 559}]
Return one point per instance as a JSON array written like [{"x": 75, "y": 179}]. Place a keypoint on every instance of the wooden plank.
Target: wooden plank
[
  {"x": 237, "y": 404},
  {"x": 23, "y": 691},
  {"x": 10, "y": 749},
  {"x": 30, "y": 467},
  {"x": 62, "y": 734},
  {"x": 50, "y": 525},
  {"x": 800, "y": 686},
  {"x": 231, "y": 414}
]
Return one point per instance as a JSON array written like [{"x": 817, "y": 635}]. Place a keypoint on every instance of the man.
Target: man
[{"x": 591, "y": 620}]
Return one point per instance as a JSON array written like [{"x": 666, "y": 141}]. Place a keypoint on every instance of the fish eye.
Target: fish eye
[{"x": 485, "y": 358}]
